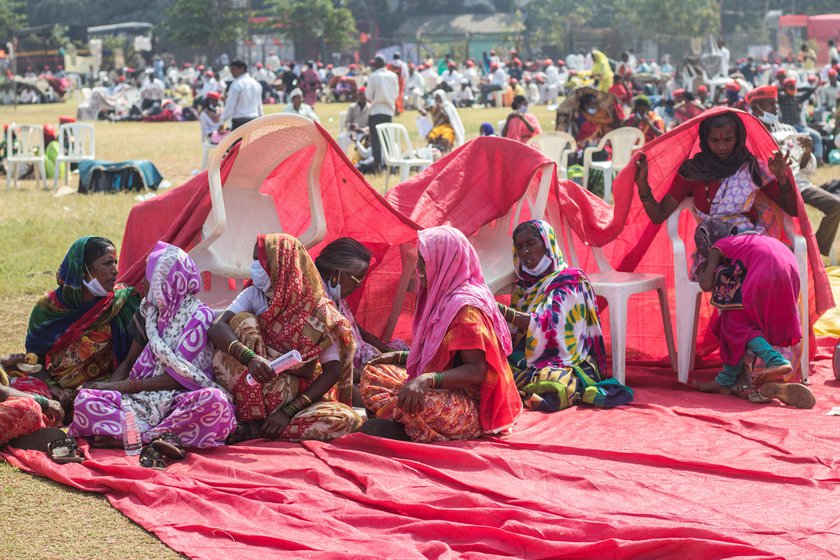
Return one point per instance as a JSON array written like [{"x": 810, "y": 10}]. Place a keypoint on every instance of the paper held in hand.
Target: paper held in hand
[{"x": 280, "y": 364}]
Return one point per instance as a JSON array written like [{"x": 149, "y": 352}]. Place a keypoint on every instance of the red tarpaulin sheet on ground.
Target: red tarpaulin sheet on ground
[{"x": 676, "y": 474}]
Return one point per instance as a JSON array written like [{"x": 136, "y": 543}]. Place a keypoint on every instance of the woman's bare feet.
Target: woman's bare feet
[
  {"x": 712, "y": 387},
  {"x": 773, "y": 374},
  {"x": 106, "y": 442}
]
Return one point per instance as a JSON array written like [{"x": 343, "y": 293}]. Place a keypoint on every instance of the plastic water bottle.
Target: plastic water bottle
[
  {"x": 279, "y": 364},
  {"x": 131, "y": 437}
]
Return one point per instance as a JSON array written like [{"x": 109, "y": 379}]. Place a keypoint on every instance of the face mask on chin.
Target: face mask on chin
[
  {"x": 541, "y": 267},
  {"x": 591, "y": 110},
  {"x": 260, "y": 278},
  {"x": 334, "y": 290},
  {"x": 768, "y": 118},
  {"x": 94, "y": 287}
]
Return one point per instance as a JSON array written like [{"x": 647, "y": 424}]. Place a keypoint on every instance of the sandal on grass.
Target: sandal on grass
[
  {"x": 64, "y": 450},
  {"x": 152, "y": 459},
  {"x": 169, "y": 445},
  {"x": 796, "y": 395}
]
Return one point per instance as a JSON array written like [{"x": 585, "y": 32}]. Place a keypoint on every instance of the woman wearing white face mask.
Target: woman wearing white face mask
[
  {"x": 558, "y": 358},
  {"x": 286, "y": 309},
  {"x": 343, "y": 265},
  {"x": 79, "y": 331},
  {"x": 521, "y": 125}
]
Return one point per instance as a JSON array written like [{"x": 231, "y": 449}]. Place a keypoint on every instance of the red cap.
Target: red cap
[
  {"x": 702, "y": 89},
  {"x": 733, "y": 86},
  {"x": 832, "y": 73},
  {"x": 679, "y": 92},
  {"x": 812, "y": 78},
  {"x": 362, "y": 89},
  {"x": 513, "y": 81},
  {"x": 789, "y": 82},
  {"x": 561, "y": 63},
  {"x": 763, "y": 92},
  {"x": 215, "y": 95},
  {"x": 781, "y": 72},
  {"x": 470, "y": 64},
  {"x": 66, "y": 120}
]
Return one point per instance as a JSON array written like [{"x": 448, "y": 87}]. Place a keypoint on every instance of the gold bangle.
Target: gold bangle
[{"x": 230, "y": 347}]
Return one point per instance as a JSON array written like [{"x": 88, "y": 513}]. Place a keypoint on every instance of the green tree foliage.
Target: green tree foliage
[
  {"x": 685, "y": 18},
  {"x": 548, "y": 21},
  {"x": 12, "y": 17},
  {"x": 304, "y": 20},
  {"x": 204, "y": 23}
]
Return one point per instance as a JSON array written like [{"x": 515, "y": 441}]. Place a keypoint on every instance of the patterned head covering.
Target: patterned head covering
[
  {"x": 300, "y": 316},
  {"x": 454, "y": 280},
  {"x": 172, "y": 276},
  {"x": 565, "y": 328},
  {"x": 62, "y": 316},
  {"x": 549, "y": 239},
  {"x": 176, "y": 322}
]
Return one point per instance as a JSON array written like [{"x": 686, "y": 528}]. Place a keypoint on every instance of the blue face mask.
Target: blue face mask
[{"x": 261, "y": 278}]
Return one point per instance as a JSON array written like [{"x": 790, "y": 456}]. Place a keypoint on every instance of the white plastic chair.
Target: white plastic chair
[
  {"x": 397, "y": 151},
  {"x": 493, "y": 241},
  {"x": 76, "y": 142},
  {"x": 688, "y": 294},
  {"x": 557, "y": 146},
  {"x": 206, "y": 148},
  {"x": 617, "y": 288},
  {"x": 624, "y": 142},
  {"x": 240, "y": 212},
  {"x": 24, "y": 146}
]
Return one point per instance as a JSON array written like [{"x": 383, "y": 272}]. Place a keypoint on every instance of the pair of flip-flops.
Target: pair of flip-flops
[
  {"x": 165, "y": 446},
  {"x": 64, "y": 450}
]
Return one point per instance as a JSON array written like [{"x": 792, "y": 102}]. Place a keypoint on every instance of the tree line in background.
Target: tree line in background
[{"x": 332, "y": 24}]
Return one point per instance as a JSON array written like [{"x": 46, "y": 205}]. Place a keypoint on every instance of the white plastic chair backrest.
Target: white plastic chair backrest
[
  {"x": 624, "y": 141},
  {"x": 493, "y": 241},
  {"x": 76, "y": 140},
  {"x": 264, "y": 144},
  {"x": 25, "y": 141},
  {"x": 570, "y": 253},
  {"x": 396, "y": 144},
  {"x": 555, "y": 145},
  {"x": 677, "y": 243},
  {"x": 342, "y": 121}
]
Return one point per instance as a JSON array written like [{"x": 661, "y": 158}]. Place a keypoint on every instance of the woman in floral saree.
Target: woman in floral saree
[{"x": 286, "y": 309}]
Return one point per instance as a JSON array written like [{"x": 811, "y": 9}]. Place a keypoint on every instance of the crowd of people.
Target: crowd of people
[{"x": 98, "y": 352}]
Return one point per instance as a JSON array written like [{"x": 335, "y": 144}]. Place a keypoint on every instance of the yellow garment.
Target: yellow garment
[
  {"x": 829, "y": 323},
  {"x": 601, "y": 70},
  {"x": 442, "y": 134}
]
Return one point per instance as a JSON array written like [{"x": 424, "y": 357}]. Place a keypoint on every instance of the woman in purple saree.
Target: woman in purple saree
[{"x": 167, "y": 379}]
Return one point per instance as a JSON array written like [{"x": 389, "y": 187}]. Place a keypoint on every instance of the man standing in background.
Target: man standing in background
[
  {"x": 244, "y": 97},
  {"x": 382, "y": 91}
]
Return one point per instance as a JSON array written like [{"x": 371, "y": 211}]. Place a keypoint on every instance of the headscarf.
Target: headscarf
[
  {"x": 565, "y": 329},
  {"x": 295, "y": 92},
  {"x": 455, "y": 280},
  {"x": 487, "y": 129},
  {"x": 300, "y": 316},
  {"x": 61, "y": 317},
  {"x": 705, "y": 166},
  {"x": 176, "y": 322}
]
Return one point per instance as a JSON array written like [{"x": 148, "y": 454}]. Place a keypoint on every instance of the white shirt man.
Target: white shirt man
[
  {"x": 272, "y": 62},
  {"x": 210, "y": 85},
  {"x": 152, "y": 88},
  {"x": 382, "y": 91},
  {"x": 244, "y": 97}
]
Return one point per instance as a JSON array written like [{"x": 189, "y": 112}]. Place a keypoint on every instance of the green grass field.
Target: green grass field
[{"x": 43, "y": 519}]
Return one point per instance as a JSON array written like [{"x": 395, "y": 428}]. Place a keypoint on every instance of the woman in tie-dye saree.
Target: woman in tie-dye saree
[{"x": 559, "y": 358}]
